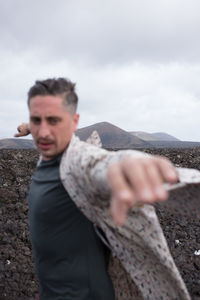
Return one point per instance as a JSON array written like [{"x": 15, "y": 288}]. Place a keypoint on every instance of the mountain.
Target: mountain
[
  {"x": 163, "y": 140},
  {"x": 112, "y": 136},
  {"x": 16, "y": 143},
  {"x": 145, "y": 136},
  {"x": 164, "y": 136},
  {"x": 157, "y": 136},
  {"x": 115, "y": 138}
]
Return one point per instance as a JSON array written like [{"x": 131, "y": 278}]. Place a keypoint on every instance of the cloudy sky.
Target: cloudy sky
[{"x": 136, "y": 62}]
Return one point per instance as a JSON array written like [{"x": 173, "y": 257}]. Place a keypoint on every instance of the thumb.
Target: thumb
[{"x": 17, "y": 135}]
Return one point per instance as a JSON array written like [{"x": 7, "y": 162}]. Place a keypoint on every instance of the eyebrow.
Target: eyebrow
[
  {"x": 35, "y": 117},
  {"x": 53, "y": 118},
  {"x": 47, "y": 118}
]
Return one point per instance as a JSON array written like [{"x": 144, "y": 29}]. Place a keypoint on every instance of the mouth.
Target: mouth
[{"x": 45, "y": 145}]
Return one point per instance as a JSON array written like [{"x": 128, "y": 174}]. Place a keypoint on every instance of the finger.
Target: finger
[
  {"x": 20, "y": 131},
  {"x": 156, "y": 181},
  {"x": 20, "y": 128},
  {"x": 136, "y": 174},
  {"x": 167, "y": 169},
  {"x": 119, "y": 186},
  {"x": 122, "y": 196},
  {"x": 118, "y": 211},
  {"x": 17, "y": 135}
]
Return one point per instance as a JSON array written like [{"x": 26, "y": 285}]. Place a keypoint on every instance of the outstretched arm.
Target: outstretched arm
[
  {"x": 128, "y": 177},
  {"x": 23, "y": 130},
  {"x": 138, "y": 181}
]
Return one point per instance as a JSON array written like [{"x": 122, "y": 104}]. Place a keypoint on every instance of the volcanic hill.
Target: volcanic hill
[{"x": 112, "y": 136}]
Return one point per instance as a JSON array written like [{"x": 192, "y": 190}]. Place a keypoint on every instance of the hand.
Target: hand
[
  {"x": 138, "y": 181},
  {"x": 23, "y": 130}
]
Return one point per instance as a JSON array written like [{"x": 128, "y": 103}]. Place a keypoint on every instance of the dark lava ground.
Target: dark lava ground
[{"x": 179, "y": 218}]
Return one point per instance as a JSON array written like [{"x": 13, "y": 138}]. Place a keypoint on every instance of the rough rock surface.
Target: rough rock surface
[
  {"x": 17, "y": 280},
  {"x": 179, "y": 220}
]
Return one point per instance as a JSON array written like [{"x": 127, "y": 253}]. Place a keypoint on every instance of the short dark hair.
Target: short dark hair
[{"x": 56, "y": 87}]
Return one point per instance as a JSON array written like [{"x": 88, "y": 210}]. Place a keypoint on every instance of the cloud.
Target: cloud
[
  {"x": 104, "y": 32},
  {"x": 146, "y": 97},
  {"x": 136, "y": 63}
]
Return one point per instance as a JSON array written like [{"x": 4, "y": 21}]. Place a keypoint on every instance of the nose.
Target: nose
[{"x": 43, "y": 131}]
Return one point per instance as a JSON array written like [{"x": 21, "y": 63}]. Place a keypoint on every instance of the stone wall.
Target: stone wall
[{"x": 179, "y": 219}]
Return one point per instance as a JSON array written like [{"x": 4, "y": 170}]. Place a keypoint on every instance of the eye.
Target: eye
[
  {"x": 53, "y": 120},
  {"x": 35, "y": 120}
]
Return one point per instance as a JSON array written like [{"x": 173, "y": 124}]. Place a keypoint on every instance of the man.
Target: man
[{"x": 71, "y": 260}]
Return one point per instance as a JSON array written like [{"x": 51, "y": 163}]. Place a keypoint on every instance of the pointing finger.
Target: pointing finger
[{"x": 122, "y": 197}]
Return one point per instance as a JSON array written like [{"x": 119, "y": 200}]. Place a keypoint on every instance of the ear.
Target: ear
[{"x": 75, "y": 121}]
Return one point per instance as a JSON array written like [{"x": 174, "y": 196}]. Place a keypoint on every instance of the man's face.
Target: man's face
[{"x": 51, "y": 125}]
